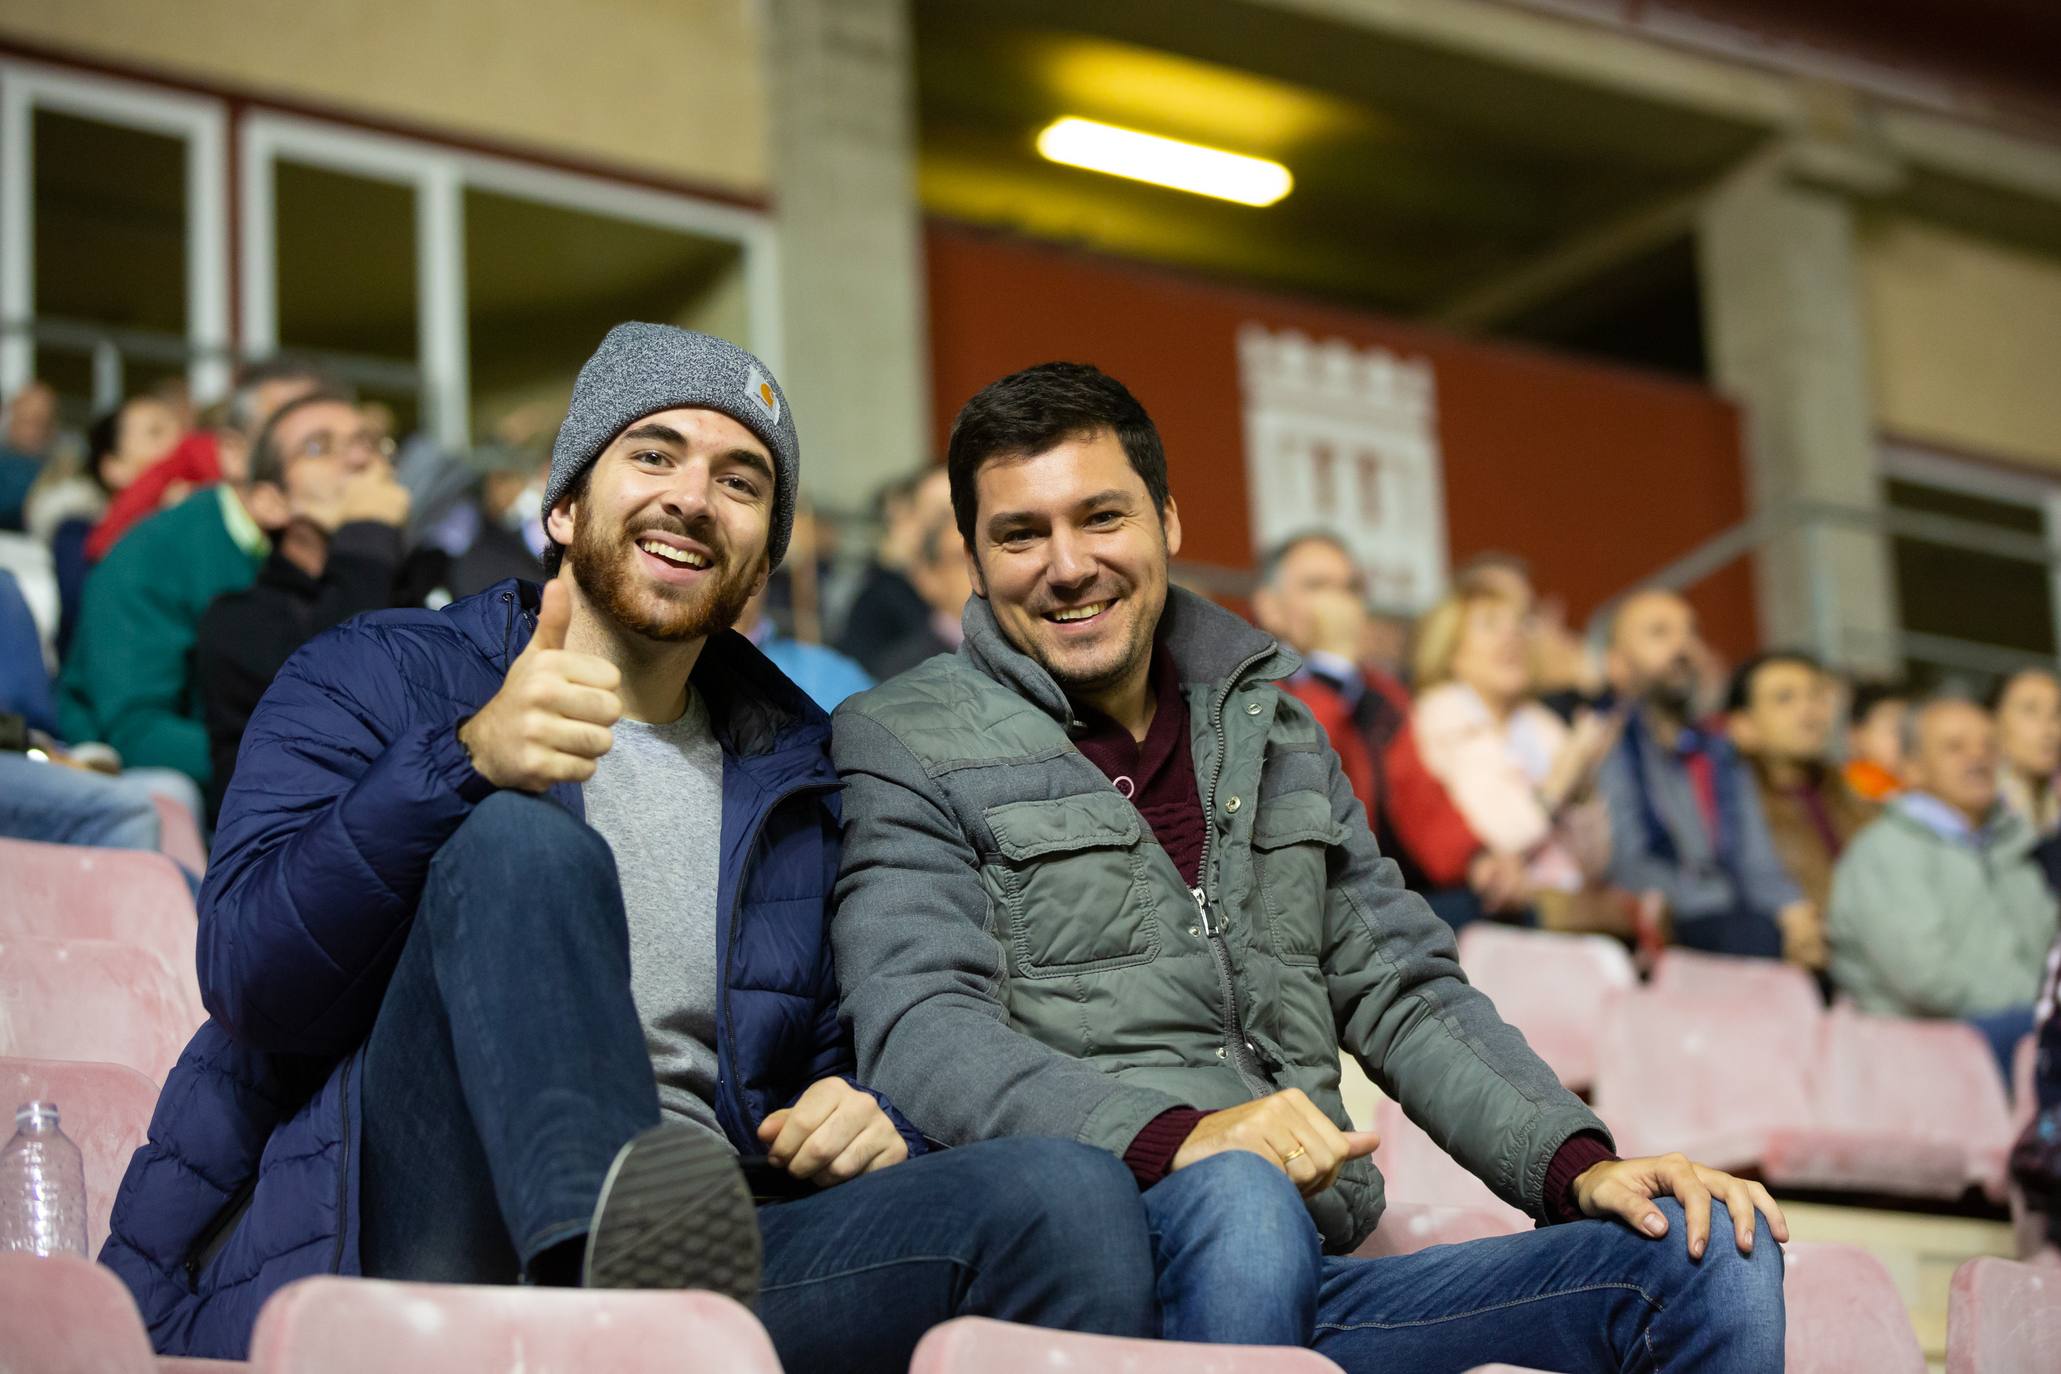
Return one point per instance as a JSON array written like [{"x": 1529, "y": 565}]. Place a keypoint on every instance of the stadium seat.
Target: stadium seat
[
  {"x": 1758, "y": 987},
  {"x": 1909, "y": 1107},
  {"x": 1407, "y": 1227},
  {"x": 93, "y": 1000},
  {"x": 168, "y": 1364},
  {"x": 1555, "y": 988},
  {"x": 65, "y": 1315},
  {"x": 104, "y": 1109},
  {"x": 1845, "y": 1314},
  {"x": 976, "y": 1345},
  {"x": 69, "y": 891},
  {"x": 370, "y": 1326},
  {"x": 1415, "y": 1169},
  {"x": 1699, "y": 1076},
  {"x": 2004, "y": 1318},
  {"x": 179, "y": 835}
]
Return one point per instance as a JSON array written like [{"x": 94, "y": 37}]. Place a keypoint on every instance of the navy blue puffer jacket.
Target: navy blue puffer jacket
[{"x": 349, "y": 780}]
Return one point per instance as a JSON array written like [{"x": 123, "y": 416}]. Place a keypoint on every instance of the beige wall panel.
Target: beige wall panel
[
  {"x": 673, "y": 88},
  {"x": 1966, "y": 342}
]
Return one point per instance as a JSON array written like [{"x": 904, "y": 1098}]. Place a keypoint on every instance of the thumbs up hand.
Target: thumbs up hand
[{"x": 550, "y": 720}]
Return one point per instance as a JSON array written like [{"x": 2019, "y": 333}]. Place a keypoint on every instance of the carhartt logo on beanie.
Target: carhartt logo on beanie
[{"x": 641, "y": 369}]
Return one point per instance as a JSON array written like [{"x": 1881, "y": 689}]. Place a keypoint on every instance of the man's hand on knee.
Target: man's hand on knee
[
  {"x": 551, "y": 718},
  {"x": 1286, "y": 1129},
  {"x": 833, "y": 1133},
  {"x": 1625, "y": 1189}
]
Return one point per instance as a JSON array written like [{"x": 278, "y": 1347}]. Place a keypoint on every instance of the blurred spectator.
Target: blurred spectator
[
  {"x": 2036, "y": 1156},
  {"x": 24, "y": 681},
  {"x": 1938, "y": 908},
  {"x": 130, "y": 439},
  {"x": 194, "y": 461},
  {"x": 938, "y": 573},
  {"x": 1309, "y": 598},
  {"x": 2027, "y": 708},
  {"x": 1565, "y": 674},
  {"x": 1874, "y": 740},
  {"x": 1523, "y": 779},
  {"x": 888, "y": 610},
  {"x": 30, "y": 436},
  {"x": 322, "y": 486},
  {"x": 1779, "y": 710},
  {"x": 1685, "y": 817},
  {"x": 493, "y": 530},
  {"x": 819, "y": 670}
]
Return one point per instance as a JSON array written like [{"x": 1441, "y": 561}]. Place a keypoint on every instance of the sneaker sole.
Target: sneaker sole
[{"x": 674, "y": 1212}]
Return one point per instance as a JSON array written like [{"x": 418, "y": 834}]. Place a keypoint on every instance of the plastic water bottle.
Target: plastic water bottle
[{"x": 42, "y": 1186}]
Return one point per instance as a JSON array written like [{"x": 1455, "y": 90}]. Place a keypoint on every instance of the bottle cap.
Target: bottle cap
[{"x": 36, "y": 1114}]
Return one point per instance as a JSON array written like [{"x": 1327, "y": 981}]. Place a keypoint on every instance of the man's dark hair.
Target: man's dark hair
[
  {"x": 1273, "y": 558},
  {"x": 103, "y": 437},
  {"x": 267, "y": 463},
  {"x": 1028, "y": 412},
  {"x": 1872, "y": 692},
  {"x": 1739, "y": 694},
  {"x": 243, "y": 398}
]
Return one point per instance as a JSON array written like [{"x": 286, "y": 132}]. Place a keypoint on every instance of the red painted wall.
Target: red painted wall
[{"x": 1597, "y": 475}]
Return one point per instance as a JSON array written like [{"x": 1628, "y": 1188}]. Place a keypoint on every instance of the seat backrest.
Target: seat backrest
[
  {"x": 1763, "y": 988},
  {"x": 1556, "y": 988},
  {"x": 370, "y": 1326},
  {"x": 1407, "y": 1227},
  {"x": 74, "y": 891},
  {"x": 93, "y": 1000},
  {"x": 978, "y": 1345},
  {"x": 2004, "y": 1318},
  {"x": 1932, "y": 1082},
  {"x": 1845, "y": 1314},
  {"x": 179, "y": 834},
  {"x": 104, "y": 1109},
  {"x": 1701, "y": 1076},
  {"x": 62, "y": 1314},
  {"x": 1415, "y": 1169}
]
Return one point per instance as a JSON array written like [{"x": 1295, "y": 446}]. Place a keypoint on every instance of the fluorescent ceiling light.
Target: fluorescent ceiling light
[{"x": 1164, "y": 161}]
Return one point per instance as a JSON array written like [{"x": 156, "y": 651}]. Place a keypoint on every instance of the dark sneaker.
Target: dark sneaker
[{"x": 674, "y": 1213}]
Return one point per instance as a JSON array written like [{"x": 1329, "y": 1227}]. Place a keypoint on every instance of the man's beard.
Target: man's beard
[
  {"x": 602, "y": 565},
  {"x": 1674, "y": 692}
]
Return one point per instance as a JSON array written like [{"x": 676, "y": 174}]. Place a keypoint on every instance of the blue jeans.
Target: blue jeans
[
  {"x": 2001, "y": 1031},
  {"x": 1239, "y": 1262},
  {"x": 1743, "y": 932},
  {"x": 59, "y": 805},
  {"x": 507, "y": 1066}
]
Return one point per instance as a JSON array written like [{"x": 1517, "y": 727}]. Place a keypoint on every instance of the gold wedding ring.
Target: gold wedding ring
[{"x": 1293, "y": 1155}]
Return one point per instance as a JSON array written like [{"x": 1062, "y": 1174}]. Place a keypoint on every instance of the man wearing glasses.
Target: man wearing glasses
[{"x": 322, "y": 486}]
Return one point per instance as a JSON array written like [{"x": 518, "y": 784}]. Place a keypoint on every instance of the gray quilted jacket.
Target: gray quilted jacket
[{"x": 1019, "y": 956}]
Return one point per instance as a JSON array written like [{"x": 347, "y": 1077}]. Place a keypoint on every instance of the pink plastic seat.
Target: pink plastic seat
[
  {"x": 1555, "y": 988},
  {"x": 104, "y": 1108},
  {"x": 172, "y": 1364},
  {"x": 2004, "y": 1318},
  {"x": 370, "y": 1326},
  {"x": 93, "y": 1000},
  {"x": 1417, "y": 1170},
  {"x": 66, "y": 1315},
  {"x": 1845, "y": 1315},
  {"x": 976, "y": 1345},
  {"x": 1697, "y": 1076},
  {"x": 179, "y": 835},
  {"x": 1407, "y": 1227},
  {"x": 1904, "y": 1106},
  {"x": 70, "y": 891},
  {"x": 1749, "y": 987}
]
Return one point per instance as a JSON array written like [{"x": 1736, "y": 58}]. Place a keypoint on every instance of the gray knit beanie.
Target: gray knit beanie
[{"x": 641, "y": 369}]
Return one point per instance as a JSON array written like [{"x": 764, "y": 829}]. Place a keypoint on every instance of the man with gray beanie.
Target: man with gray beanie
[{"x": 515, "y": 943}]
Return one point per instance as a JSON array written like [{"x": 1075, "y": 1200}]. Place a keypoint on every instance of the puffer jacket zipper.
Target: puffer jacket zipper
[{"x": 1239, "y": 1050}]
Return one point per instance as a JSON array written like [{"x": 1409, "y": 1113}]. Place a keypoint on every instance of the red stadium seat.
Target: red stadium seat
[
  {"x": 976, "y": 1345},
  {"x": 93, "y": 1000},
  {"x": 1555, "y": 988},
  {"x": 104, "y": 1108},
  {"x": 369, "y": 1326},
  {"x": 1903, "y": 1106},
  {"x": 1417, "y": 1170},
  {"x": 1701, "y": 1077},
  {"x": 2004, "y": 1318},
  {"x": 179, "y": 835},
  {"x": 168, "y": 1364},
  {"x": 65, "y": 1315},
  {"x": 1407, "y": 1227},
  {"x": 1750, "y": 987},
  {"x": 1845, "y": 1315},
  {"x": 69, "y": 891}
]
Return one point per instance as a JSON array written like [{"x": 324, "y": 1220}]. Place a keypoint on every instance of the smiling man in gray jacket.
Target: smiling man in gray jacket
[{"x": 1103, "y": 880}]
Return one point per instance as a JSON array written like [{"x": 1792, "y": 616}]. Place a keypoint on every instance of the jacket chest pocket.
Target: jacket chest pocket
[
  {"x": 1291, "y": 846},
  {"x": 1072, "y": 885}
]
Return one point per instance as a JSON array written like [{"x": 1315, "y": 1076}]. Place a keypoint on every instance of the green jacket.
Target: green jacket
[
  {"x": 129, "y": 680},
  {"x": 1926, "y": 925},
  {"x": 1020, "y": 957}
]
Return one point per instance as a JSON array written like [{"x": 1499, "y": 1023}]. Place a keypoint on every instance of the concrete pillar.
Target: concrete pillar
[
  {"x": 854, "y": 326},
  {"x": 1785, "y": 326}
]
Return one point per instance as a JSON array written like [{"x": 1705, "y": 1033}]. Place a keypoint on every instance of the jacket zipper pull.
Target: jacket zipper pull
[{"x": 1210, "y": 928}]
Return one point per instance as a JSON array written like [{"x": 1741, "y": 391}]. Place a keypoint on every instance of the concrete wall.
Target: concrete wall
[
  {"x": 1965, "y": 342},
  {"x": 671, "y": 88}
]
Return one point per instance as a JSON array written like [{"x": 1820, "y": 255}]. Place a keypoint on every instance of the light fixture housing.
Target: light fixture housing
[{"x": 1169, "y": 162}]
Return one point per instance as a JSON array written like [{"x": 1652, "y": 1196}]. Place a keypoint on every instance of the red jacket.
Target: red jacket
[
  {"x": 1407, "y": 806},
  {"x": 195, "y": 460}
]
